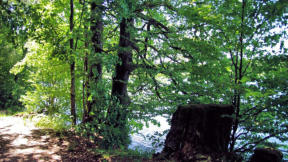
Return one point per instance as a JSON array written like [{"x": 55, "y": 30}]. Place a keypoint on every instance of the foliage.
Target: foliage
[
  {"x": 114, "y": 133},
  {"x": 48, "y": 80},
  {"x": 12, "y": 38},
  {"x": 57, "y": 122},
  {"x": 124, "y": 154}
]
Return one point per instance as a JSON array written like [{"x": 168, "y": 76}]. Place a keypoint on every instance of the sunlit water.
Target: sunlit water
[{"x": 141, "y": 142}]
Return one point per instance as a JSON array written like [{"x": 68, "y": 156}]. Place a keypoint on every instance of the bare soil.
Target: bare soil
[{"x": 21, "y": 141}]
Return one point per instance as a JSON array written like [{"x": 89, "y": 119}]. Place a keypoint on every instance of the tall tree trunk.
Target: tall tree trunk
[
  {"x": 124, "y": 68},
  {"x": 85, "y": 78},
  {"x": 238, "y": 77},
  {"x": 95, "y": 65},
  {"x": 117, "y": 112},
  {"x": 72, "y": 67}
]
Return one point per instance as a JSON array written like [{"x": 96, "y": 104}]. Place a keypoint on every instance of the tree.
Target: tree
[
  {"x": 95, "y": 63},
  {"x": 72, "y": 66},
  {"x": 12, "y": 39},
  {"x": 47, "y": 77},
  {"x": 252, "y": 23},
  {"x": 49, "y": 28},
  {"x": 242, "y": 31}
]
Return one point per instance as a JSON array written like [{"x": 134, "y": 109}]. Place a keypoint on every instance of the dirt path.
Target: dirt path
[{"x": 21, "y": 141}]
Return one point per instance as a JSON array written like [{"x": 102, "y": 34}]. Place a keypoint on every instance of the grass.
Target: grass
[
  {"x": 9, "y": 111},
  {"x": 48, "y": 122},
  {"x": 3, "y": 114},
  {"x": 58, "y": 124},
  {"x": 135, "y": 155}
]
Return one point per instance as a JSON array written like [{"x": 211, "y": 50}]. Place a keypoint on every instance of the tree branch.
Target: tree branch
[
  {"x": 154, "y": 22},
  {"x": 241, "y": 149}
]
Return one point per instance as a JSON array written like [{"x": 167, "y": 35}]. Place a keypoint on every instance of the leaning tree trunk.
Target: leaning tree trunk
[{"x": 72, "y": 67}]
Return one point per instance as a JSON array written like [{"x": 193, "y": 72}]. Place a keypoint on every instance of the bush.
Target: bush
[{"x": 57, "y": 123}]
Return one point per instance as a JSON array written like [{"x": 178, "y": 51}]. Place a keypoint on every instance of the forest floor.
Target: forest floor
[{"x": 21, "y": 141}]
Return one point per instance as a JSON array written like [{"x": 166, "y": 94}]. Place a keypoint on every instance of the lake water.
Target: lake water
[{"x": 140, "y": 140}]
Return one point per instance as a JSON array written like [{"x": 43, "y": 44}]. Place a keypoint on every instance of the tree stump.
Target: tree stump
[
  {"x": 266, "y": 155},
  {"x": 198, "y": 133}
]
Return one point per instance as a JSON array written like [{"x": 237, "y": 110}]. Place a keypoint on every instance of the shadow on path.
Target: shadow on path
[
  {"x": 21, "y": 142},
  {"x": 44, "y": 145}
]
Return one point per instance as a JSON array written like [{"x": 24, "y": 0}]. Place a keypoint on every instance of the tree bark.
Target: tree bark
[
  {"x": 94, "y": 61},
  {"x": 72, "y": 67},
  {"x": 197, "y": 132},
  {"x": 85, "y": 78},
  {"x": 124, "y": 68},
  {"x": 117, "y": 112}
]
